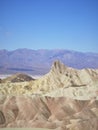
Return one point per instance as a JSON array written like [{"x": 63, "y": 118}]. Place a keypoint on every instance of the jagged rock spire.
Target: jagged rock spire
[{"x": 58, "y": 67}]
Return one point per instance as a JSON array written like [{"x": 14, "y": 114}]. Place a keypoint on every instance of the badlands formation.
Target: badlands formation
[{"x": 63, "y": 99}]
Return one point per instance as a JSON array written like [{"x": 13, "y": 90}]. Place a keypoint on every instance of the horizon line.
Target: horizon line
[{"x": 48, "y": 49}]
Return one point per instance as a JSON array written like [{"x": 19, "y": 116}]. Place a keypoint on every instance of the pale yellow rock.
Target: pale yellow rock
[{"x": 60, "y": 81}]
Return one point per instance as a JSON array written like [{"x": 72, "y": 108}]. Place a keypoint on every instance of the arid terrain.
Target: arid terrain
[
  {"x": 63, "y": 99},
  {"x": 38, "y": 62}
]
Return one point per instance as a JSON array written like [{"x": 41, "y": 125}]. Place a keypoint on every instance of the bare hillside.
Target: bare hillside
[
  {"x": 63, "y": 99},
  {"x": 46, "y": 112},
  {"x": 60, "y": 81}
]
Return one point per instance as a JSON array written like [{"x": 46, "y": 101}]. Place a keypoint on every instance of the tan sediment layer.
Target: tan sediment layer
[{"x": 48, "y": 112}]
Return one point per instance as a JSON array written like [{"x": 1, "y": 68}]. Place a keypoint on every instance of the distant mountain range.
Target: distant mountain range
[{"x": 39, "y": 61}]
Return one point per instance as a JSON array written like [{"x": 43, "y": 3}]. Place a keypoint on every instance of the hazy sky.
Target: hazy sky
[{"x": 49, "y": 24}]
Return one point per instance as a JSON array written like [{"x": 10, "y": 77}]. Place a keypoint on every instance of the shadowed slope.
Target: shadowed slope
[{"x": 18, "y": 77}]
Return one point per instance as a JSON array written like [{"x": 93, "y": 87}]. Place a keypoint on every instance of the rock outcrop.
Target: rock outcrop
[
  {"x": 63, "y": 99},
  {"x": 18, "y": 77},
  {"x": 0, "y": 80},
  {"x": 46, "y": 112},
  {"x": 60, "y": 81}
]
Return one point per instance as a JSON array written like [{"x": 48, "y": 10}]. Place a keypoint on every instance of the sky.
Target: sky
[{"x": 49, "y": 24}]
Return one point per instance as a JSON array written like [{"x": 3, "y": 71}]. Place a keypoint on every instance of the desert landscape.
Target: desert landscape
[
  {"x": 48, "y": 64},
  {"x": 63, "y": 99}
]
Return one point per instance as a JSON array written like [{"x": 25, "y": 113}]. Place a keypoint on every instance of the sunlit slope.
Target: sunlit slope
[{"x": 60, "y": 81}]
